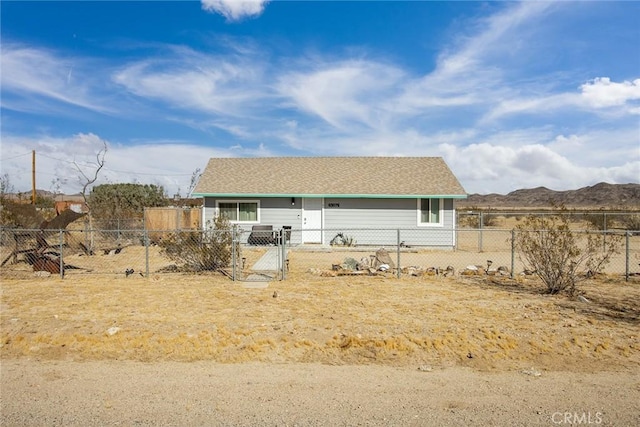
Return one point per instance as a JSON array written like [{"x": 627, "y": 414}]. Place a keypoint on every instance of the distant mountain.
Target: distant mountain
[{"x": 602, "y": 195}]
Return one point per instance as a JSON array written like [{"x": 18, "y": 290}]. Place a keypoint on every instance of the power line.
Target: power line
[
  {"x": 15, "y": 157},
  {"x": 60, "y": 160},
  {"x": 148, "y": 174},
  {"x": 115, "y": 170}
]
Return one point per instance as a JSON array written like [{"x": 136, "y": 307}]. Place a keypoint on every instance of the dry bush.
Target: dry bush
[
  {"x": 559, "y": 256},
  {"x": 210, "y": 249},
  {"x": 631, "y": 222},
  {"x": 473, "y": 220}
]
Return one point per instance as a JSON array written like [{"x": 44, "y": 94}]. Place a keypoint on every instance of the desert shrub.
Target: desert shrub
[
  {"x": 342, "y": 240},
  {"x": 209, "y": 249},
  {"x": 8, "y": 217},
  {"x": 597, "y": 220},
  {"x": 116, "y": 201},
  {"x": 631, "y": 222},
  {"x": 559, "y": 256},
  {"x": 473, "y": 220},
  {"x": 468, "y": 221},
  {"x": 489, "y": 220}
]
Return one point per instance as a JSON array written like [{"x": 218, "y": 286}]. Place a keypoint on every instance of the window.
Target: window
[
  {"x": 239, "y": 211},
  {"x": 430, "y": 211}
]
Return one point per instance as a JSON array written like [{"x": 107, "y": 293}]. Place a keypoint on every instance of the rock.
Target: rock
[
  {"x": 113, "y": 330},
  {"x": 383, "y": 257},
  {"x": 503, "y": 269},
  {"x": 432, "y": 271},
  {"x": 350, "y": 264},
  {"x": 531, "y": 371},
  {"x": 425, "y": 368},
  {"x": 363, "y": 265},
  {"x": 42, "y": 274}
]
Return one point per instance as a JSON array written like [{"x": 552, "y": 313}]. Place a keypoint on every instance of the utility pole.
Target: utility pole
[{"x": 33, "y": 177}]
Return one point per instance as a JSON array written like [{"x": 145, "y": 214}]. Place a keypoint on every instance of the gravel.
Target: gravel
[{"x": 116, "y": 393}]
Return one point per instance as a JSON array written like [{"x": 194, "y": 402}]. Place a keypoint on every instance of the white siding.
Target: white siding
[{"x": 368, "y": 221}]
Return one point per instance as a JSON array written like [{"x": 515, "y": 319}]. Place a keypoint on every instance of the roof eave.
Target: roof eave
[{"x": 334, "y": 196}]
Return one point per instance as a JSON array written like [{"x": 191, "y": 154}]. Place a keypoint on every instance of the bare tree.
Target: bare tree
[
  {"x": 195, "y": 177},
  {"x": 86, "y": 179},
  {"x": 5, "y": 185}
]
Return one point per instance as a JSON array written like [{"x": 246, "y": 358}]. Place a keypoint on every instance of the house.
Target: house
[
  {"x": 367, "y": 198},
  {"x": 73, "y": 205}
]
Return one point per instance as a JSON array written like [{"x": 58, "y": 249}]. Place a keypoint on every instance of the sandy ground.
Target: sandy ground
[
  {"x": 254, "y": 394},
  {"x": 177, "y": 349}
]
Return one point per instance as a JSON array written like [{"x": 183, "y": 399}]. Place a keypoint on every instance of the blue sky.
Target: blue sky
[{"x": 511, "y": 94}]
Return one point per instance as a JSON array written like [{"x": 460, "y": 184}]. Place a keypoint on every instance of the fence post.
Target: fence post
[
  {"x": 626, "y": 250},
  {"x": 513, "y": 252},
  {"x": 234, "y": 255},
  {"x": 480, "y": 221},
  {"x": 146, "y": 251},
  {"x": 398, "y": 253},
  {"x": 604, "y": 232},
  {"x": 87, "y": 226},
  {"x": 61, "y": 254},
  {"x": 283, "y": 242}
]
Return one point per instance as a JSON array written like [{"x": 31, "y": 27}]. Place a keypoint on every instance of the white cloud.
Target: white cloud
[
  {"x": 223, "y": 86},
  {"x": 38, "y": 76},
  {"x": 602, "y": 92},
  {"x": 546, "y": 104},
  {"x": 166, "y": 163},
  {"x": 598, "y": 93},
  {"x": 484, "y": 168},
  {"x": 335, "y": 105},
  {"x": 235, "y": 10},
  {"x": 343, "y": 94},
  {"x": 470, "y": 71}
]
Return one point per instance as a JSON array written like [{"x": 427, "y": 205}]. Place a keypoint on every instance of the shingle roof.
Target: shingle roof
[{"x": 329, "y": 176}]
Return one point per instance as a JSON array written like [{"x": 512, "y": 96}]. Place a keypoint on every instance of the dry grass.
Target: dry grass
[
  {"x": 482, "y": 322},
  {"x": 485, "y": 323}
]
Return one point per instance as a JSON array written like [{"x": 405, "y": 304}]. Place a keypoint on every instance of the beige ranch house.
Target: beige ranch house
[{"x": 367, "y": 198}]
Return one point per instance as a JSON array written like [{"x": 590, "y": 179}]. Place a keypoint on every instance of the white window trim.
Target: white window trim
[
  {"x": 440, "y": 223},
  {"x": 238, "y": 201}
]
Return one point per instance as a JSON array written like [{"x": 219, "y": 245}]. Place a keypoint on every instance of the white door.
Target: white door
[{"x": 312, "y": 220}]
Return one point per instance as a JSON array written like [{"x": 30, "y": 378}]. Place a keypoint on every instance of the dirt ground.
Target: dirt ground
[{"x": 177, "y": 349}]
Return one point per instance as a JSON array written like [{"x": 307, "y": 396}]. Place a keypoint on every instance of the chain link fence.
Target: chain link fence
[
  {"x": 604, "y": 220},
  {"x": 269, "y": 255}
]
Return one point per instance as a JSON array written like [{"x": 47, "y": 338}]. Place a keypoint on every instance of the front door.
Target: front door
[{"x": 312, "y": 220}]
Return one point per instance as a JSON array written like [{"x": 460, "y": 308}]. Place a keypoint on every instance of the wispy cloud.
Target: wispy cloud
[
  {"x": 343, "y": 94},
  {"x": 467, "y": 70},
  {"x": 310, "y": 102},
  {"x": 194, "y": 81},
  {"x": 41, "y": 76},
  {"x": 235, "y": 10}
]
